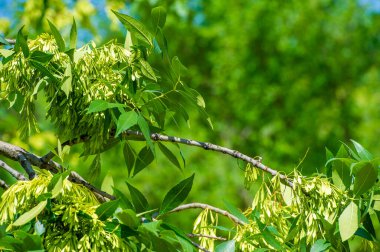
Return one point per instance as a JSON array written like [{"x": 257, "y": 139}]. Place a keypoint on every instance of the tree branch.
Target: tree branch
[
  {"x": 213, "y": 147},
  {"x": 14, "y": 152},
  {"x": 206, "y": 206},
  {"x": 17, "y": 175},
  {"x": 3, "y": 184},
  {"x": 207, "y": 236}
]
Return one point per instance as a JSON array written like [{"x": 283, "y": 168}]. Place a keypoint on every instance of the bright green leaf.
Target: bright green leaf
[
  {"x": 44, "y": 71},
  {"x": 67, "y": 81},
  {"x": 144, "y": 127},
  {"x": 100, "y": 105},
  {"x": 235, "y": 212},
  {"x": 363, "y": 153},
  {"x": 41, "y": 57},
  {"x": 107, "y": 184},
  {"x": 320, "y": 246},
  {"x": 158, "y": 16},
  {"x": 136, "y": 27},
  {"x": 348, "y": 221},
  {"x": 126, "y": 121},
  {"x": 228, "y": 246},
  {"x": 6, "y": 53},
  {"x": 21, "y": 42},
  {"x": 176, "y": 195},
  {"x": 30, "y": 215},
  {"x": 128, "y": 217},
  {"x": 95, "y": 168}
]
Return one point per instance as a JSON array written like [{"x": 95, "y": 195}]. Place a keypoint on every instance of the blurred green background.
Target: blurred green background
[{"x": 280, "y": 79}]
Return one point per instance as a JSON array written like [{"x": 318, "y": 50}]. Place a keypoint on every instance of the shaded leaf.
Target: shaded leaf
[
  {"x": 144, "y": 127},
  {"x": 176, "y": 195},
  {"x": 365, "y": 177},
  {"x": 21, "y": 43},
  {"x": 107, "y": 209},
  {"x": 147, "y": 70},
  {"x": 125, "y": 203},
  {"x": 3, "y": 40},
  {"x": 158, "y": 16},
  {"x": 139, "y": 201},
  {"x": 95, "y": 168},
  {"x": 58, "y": 37},
  {"x": 67, "y": 80},
  {"x": 129, "y": 157},
  {"x": 41, "y": 56},
  {"x": 169, "y": 155},
  {"x": 144, "y": 158},
  {"x": 348, "y": 221},
  {"x": 44, "y": 71}
]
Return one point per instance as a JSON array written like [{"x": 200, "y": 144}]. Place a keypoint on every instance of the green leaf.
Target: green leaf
[
  {"x": 67, "y": 81},
  {"x": 44, "y": 71},
  {"x": 100, "y": 105},
  {"x": 348, "y": 221},
  {"x": 73, "y": 35},
  {"x": 31, "y": 214},
  {"x": 126, "y": 121},
  {"x": 124, "y": 201},
  {"x": 341, "y": 172},
  {"x": 320, "y": 246},
  {"x": 363, "y": 153},
  {"x": 158, "y": 16},
  {"x": 144, "y": 127},
  {"x": 376, "y": 202},
  {"x": 365, "y": 177},
  {"x": 6, "y": 53},
  {"x": 107, "y": 209},
  {"x": 144, "y": 158},
  {"x": 147, "y": 70},
  {"x": 58, "y": 38},
  {"x": 94, "y": 169},
  {"x": 129, "y": 157},
  {"x": 128, "y": 217},
  {"x": 169, "y": 155},
  {"x": 21, "y": 42},
  {"x": 56, "y": 183},
  {"x": 236, "y": 212},
  {"x": 269, "y": 238},
  {"x": 227, "y": 246},
  {"x": 41, "y": 57},
  {"x": 16, "y": 100},
  {"x": 139, "y": 201},
  {"x": 375, "y": 222},
  {"x": 107, "y": 184},
  {"x": 176, "y": 195},
  {"x": 136, "y": 27},
  {"x": 3, "y": 40},
  {"x": 177, "y": 68}
]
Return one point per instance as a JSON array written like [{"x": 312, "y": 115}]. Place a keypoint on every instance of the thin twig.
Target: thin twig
[
  {"x": 17, "y": 175},
  {"x": 3, "y": 185},
  {"x": 11, "y": 41},
  {"x": 199, "y": 246},
  {"x": 207, "y": 236},
  {"x": 212, "y": 208}
]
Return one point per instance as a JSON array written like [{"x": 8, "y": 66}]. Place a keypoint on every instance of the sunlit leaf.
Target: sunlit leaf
[
  {"x": 158, "y": 16},
  {"x": 320, "y": 246},
  {"x": 235, "y": 212},
  {"x": 21, "y": 43},
  {"x": 126, "y": 121},
  {"x": 365, "y": 176},
  {"x": 128, "y": 217},
  {"x": 147, "y": 70},
  {"x": 227, "y": 246},
  {"x": 30, "y": 215},
  {"x": 67, "y": 81},
  {"x": 101, "y": 105},
  {"x": 348, "y": 221},
  {"x": 136, "y": 27},
  {"x": 363, "y": 153},
  {"x": 144, "y": 127}
]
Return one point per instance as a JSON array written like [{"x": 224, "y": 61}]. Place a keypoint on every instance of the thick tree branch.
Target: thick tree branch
[
  {"x": 14, "y": 152},
  {"x": 212, "y": 208},
  {"x": 17, "y": 175}
]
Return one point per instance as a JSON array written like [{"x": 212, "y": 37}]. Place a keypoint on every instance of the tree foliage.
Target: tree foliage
[{"x": 105, "y": 95}]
